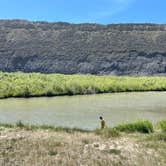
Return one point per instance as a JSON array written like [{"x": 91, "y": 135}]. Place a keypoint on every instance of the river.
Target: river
[{"x": 83, "y": 111}]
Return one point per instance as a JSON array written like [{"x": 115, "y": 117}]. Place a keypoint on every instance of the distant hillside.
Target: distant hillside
[{"x": 115, "y": 49}]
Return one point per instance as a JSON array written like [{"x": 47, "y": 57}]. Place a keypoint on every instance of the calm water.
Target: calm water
[{"x": 83, "y": 111}]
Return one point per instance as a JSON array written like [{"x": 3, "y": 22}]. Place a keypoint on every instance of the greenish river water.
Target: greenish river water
[{"x": 83, "y": 111}]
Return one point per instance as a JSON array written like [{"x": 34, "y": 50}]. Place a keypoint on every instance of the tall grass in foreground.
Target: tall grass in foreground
[{"x": 35, "y": 84}]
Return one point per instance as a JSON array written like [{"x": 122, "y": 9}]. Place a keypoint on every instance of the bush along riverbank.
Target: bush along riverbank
[
  {"x": 35, "y": 84},
  {"x": 138, "y": 143}
]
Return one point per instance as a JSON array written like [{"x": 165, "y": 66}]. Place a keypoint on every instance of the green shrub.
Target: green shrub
[
  {"x": 20, "y": 124},
  {"x": 35, "y": 84},
  {"x": 85, "y": 141},
  {"x": 107, "y": 132},
  {"x": 140, "y": 126},
  {"x": 163, "y": 125},
  {"x": 52, "y": 152}
]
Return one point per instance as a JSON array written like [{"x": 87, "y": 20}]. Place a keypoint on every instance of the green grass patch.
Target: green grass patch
[
  {"x": 113, "y": 151},
  {"x": 139, "y": 126},
  {"x": 6, "y": 125},
  {"x": 85, "y": 141},
  {"x": 35, "y": 84},
  {"x": 53, "y": 153},
  {"x": 163, "y": 125}
]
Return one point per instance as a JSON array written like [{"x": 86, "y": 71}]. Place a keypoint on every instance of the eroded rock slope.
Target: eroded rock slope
[{"x": 115, "y": 49}]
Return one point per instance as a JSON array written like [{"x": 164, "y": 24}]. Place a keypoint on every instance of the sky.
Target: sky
[{"x": 81, "y": 11}]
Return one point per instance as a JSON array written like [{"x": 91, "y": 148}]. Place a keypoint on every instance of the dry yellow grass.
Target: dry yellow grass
[{"x": 19, "y": 147}]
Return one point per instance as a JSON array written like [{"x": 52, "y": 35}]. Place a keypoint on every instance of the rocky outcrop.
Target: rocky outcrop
[{"x": 115, "y": 49}]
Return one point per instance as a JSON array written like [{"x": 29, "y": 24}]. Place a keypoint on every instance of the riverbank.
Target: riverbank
[
  {"x": 35, "y": 84},
  {"x": 46, "y": 145}
]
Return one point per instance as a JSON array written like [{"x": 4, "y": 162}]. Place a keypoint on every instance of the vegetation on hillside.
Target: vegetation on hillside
[{"x": 35, "y": 84}]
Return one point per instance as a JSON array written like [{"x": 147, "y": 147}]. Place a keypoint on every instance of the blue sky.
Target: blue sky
[{"x": 78, "y": 11}]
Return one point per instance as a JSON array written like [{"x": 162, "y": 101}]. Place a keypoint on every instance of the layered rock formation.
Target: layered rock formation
[{"x": 115, "y": 49}]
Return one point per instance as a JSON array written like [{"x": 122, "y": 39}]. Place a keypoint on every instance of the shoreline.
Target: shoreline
[
  {"x": 142, "y": 126},
  {"x": 44, "y": 96}
]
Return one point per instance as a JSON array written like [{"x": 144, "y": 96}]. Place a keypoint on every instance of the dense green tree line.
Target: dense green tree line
[{"x": 35, "y": 84}]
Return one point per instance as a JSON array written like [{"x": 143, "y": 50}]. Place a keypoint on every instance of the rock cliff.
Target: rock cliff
[{"x": 115, "y": 49}]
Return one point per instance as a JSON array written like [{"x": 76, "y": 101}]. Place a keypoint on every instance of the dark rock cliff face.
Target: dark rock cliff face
[{"x": 116, "y": 49}]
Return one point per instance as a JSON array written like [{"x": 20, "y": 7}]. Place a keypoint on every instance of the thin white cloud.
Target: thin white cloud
[{"x": 114, "y": 7}]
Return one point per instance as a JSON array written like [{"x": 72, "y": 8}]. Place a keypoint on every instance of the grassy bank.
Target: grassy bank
[
  {"x": 35, "y": 84},
  {"x": 139, "y": 126},
  {"x": 21, "y": 125},
  {"x": 27, "y": 145},
  {"x": 158, "y": 131}
]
